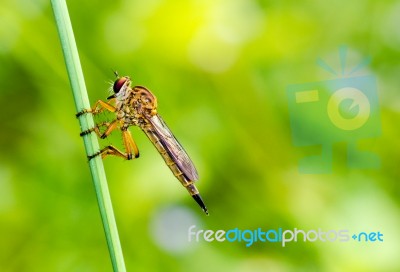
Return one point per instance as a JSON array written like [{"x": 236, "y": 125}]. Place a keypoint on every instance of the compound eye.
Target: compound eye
[{"x": 119, "y": 83}]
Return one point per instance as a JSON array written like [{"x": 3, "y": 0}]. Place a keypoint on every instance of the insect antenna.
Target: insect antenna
[{"x": 115, "y": 73}]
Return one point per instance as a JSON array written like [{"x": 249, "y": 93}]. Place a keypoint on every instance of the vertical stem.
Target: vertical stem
[{"x": 90, "y": 141}]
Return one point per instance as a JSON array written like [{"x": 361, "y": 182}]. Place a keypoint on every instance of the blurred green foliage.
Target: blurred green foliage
[{"x": 219, "y": 70}]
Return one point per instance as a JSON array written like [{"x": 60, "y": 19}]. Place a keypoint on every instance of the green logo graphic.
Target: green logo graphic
[{"x": 327, "y": 112}]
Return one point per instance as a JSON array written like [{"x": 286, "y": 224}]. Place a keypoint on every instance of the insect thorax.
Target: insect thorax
[{"x": 136, "y": 106}]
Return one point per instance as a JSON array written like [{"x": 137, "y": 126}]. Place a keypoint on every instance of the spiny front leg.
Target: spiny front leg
[{"x": 98, "y": 107}]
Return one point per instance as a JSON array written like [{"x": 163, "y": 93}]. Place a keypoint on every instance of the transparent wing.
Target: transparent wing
[{"x": 173, "y": 147}]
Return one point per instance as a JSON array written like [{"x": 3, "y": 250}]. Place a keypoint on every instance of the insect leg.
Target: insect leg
[
  {"x": 129, "y": 144},
  {"x": 110, "y": 150},
  {"x": 95, "y": 129},
  {"x": 98, "y": 107},
  {"x": 109, "y": 128}
]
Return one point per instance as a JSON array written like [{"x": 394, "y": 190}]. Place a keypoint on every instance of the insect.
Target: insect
[{"x": 137, "y": 106}]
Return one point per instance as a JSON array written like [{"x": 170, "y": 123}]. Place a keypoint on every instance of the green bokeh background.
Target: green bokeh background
[{"x": 219, "y": 70}]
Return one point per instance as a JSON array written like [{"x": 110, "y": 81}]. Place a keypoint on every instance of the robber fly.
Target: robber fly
[{"x": 137, "y": 106}]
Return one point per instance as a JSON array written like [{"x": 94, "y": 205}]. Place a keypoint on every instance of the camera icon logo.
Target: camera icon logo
[{"x": 343, "y": 110}]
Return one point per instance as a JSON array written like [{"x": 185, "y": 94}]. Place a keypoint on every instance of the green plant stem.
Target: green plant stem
[{"x": 90, "y": 141}]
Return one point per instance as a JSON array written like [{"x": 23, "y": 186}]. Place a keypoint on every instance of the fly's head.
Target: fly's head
[
  {"x": 120, "y": 87},
  {"x": 145, "y": 102}
]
